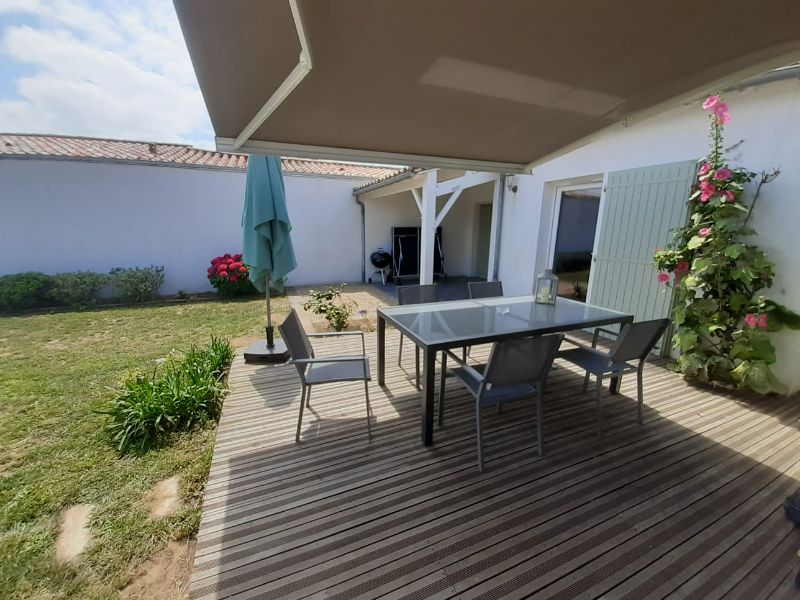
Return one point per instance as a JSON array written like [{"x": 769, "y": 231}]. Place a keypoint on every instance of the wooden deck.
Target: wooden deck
[{"x": 687, "y": 506}]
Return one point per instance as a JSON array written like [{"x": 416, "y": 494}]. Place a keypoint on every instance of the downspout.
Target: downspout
[
  {"x": 288, "y": 85},
  {"x": 499, "y": 232}
]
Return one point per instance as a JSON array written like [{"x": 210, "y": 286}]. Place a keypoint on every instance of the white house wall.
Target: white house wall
[
  {"x": 459, "y": 228},
  {"x": 63, "y": 215},
  {"x": 764, "y": 133}
]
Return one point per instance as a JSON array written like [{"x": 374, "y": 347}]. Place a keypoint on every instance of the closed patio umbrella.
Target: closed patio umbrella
[{"x": 266, "y": 242}]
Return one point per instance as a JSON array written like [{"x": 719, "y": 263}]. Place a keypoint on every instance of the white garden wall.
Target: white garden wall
[
  {"x": 66, "y": 215},
  {"x": 765, "y": 131}
]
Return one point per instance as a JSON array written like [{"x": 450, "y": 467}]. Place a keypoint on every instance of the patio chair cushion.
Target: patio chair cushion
[
  {"x": 594, "y": 361},
  {"x": 323, "y": 372},
  {"x": 494, "y": 395}
]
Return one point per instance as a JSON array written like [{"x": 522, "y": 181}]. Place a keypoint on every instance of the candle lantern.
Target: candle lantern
[{"x": 546, "y": 288}]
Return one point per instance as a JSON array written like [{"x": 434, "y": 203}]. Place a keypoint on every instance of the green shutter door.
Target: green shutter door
[{"x": 641, "y": 208}]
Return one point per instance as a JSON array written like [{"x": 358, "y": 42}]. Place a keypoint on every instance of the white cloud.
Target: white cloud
[{"x": 102, "y": 69}]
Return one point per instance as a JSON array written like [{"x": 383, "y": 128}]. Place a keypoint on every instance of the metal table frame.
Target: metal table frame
[{"x": 430, "y": 349}]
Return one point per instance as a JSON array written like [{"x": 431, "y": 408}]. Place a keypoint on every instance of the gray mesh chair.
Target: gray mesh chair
[
  {"x": 516, "y": 370},
  {"x": 415, "y": 294},
  {"x": 485, "y": 289},
  {"x": 326, "y": 369},
  {"x": 634, "y": 342}
]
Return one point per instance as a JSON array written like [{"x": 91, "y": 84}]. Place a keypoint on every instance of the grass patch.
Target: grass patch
[{"x": 58, "y": 371}]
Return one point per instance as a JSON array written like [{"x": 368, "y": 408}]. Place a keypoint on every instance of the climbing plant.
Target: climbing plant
[{"x": 722, "y": 319}]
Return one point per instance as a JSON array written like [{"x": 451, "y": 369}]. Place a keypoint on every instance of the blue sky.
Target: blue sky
[{"x": 98, "y": 68}]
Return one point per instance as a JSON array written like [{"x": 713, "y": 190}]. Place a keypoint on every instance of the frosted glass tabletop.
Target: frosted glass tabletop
[{"x": 487, "y": 319}]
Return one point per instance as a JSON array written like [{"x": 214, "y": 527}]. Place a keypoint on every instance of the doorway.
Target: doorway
[
  {"x": 483, "y": 239},
  {"x": 572, "y": 237}
]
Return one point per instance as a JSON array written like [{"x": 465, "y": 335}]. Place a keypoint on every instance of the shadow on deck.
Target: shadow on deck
[{"x": 686, "y": 506}]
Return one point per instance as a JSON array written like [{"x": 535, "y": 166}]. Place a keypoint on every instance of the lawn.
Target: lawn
[{"x": 57, "y": 371}]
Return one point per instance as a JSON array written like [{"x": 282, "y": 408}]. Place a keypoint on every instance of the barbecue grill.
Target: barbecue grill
[{"x": 381, "y": 259}]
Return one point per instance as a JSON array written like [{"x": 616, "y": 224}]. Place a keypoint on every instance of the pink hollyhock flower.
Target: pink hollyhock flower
[
  {"x": 711, "y": 102},
  {"x": 704, "y": 231},
  {"x": 730, "y": 195},
  {"x": 663, "y": 278},
  {"x": 682, "y": 267},
  {"x": 750, "y": 320},
  {"x": 223, "y": 273},
  {"x": 723, "y": 119},
  {"x": 234, "y": 279},
  {"x": 762, "y": 320},
  {"x": 705, "y": 169},
  {"x": 720, "y": 108},
  {"x": 723, "y": 174}
]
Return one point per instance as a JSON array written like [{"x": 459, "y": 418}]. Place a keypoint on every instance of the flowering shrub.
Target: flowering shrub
[
  {"x": 230, "y": 276},
  {"x": 721, "y": 319},
  {"x": 327, "y": 304}
]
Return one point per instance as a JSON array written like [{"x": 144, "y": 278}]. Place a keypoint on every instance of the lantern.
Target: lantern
[{"x": 546, "y": 288}]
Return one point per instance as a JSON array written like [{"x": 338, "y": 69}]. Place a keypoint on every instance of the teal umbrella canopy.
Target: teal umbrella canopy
[{"x": 266, "y": 237}]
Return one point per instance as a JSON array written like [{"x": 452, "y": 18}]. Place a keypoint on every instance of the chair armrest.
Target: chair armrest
[
  {"x": 596, "y": 335},
  {"x": 330, "y": 359},
  {"x": 465, "y": 367},
  {"x": 340, "y": 333},
  {"x": 335, "y": 333}
]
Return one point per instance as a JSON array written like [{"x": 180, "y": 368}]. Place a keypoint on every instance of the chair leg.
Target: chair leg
[
  {"x": 640, "y": 394},
  {"x": 300, "y": 418},
  {"x": 442, "y": 379},
  {"x": 539, "y": 437},
  {"x": 465, "y": 353},
  {"x": 599, "y": 390},
  {"x": 400, "y": 353},
  {"x": 308, "y": 397},
  {"x": 499, "y": 408},
  {"x": 369, "y": 410},
  {"x": 419, "y": 385},
  {"x": 585, "y": 382},
  {"x": 480, "y": 435}
]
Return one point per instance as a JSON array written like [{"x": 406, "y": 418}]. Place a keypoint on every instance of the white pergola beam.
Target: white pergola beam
[
  {"x": 405, "y": 185},
  {"x": 446, "y": 208},
  {"x": 470, "y": 179},
  {"x": 417, "y": 199},
  {"x": 427, "y": 229}
]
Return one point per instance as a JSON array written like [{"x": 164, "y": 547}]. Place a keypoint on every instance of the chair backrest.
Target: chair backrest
[
  {"x": 417, "y": 294},
  {"x": 485, "y": 289},
  {"x": 636, "y": 340},
  {"x": 296, "y": 340},
  {"x": 525, "y": 360}
]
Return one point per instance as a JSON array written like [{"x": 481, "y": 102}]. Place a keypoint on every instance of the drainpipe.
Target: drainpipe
[{"x": 363, "y": 238}]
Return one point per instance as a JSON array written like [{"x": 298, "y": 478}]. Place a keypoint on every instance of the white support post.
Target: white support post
[
  {"x": 427, "y": 229},
  {"x": 494, "y": 232},
  {"x": 417, "y": 199}
]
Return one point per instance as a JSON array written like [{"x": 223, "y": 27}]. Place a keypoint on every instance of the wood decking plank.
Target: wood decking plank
[{"x": 338, "y": 516}]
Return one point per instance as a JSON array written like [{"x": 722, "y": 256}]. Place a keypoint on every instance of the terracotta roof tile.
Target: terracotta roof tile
[{"x": 77, "y": 148}]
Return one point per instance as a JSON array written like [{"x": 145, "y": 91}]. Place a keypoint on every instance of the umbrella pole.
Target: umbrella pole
[{"x": 270, "y": 334}]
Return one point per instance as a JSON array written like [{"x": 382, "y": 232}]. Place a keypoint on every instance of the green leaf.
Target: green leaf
[
  {"x": 685, "y": 339},
  {"x": 779, "y": 316},
  {"x": 737, "y": 301},
  {"x": 701, "y": 264},
  {"x": 679, "y": 315},
  {"x": 693, "y": 364},
  {"x": 734, "y": 250},
  {"x": 696, "y": 242}
]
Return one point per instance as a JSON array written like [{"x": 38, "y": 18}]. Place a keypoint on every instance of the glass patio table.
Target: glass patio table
[{"x": 438, "y": 326}]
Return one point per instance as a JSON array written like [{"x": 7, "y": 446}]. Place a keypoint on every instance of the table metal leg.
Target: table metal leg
[
  {"x": 613, "y": 385},
  {"x": 428, "y": 375},
  {"x": 381, "y": 351}
]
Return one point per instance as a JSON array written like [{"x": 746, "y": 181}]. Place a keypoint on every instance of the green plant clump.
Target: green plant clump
[
  {"x": 722, "y": 319},
  {"x": 183, "y": 393},
  {"x": 79, "y": 289},
  {"x": 138, "y": 284},
  {"x": 24, "y": 290},
  {"x": 326, "y": 303}
]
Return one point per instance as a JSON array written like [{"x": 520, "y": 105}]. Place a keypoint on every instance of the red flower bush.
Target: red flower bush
[{"x": 230, "y": 275}]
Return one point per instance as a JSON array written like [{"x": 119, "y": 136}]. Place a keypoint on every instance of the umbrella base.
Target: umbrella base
[{"x": 258, "y": 352}]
